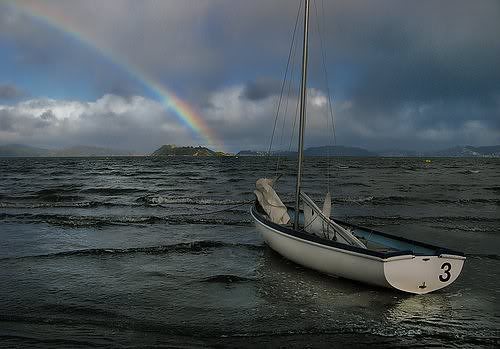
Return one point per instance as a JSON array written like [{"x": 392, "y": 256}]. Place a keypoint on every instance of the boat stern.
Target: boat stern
[{"x": 423, "y": 274}]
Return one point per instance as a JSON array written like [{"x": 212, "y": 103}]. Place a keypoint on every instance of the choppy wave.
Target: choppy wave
[
  {"x": 71, "y": 221},
  {"x": 77, "y": 204},
  {"x": 232, "y": 170},
  {"x": 355, "y": 184},
  {"x": 182, "y": 247},
  {"x": 402, "y": 199},
  {"x": 484, "y": 255},
  {"x": 156, "y": 273},
  {"x": 159, "y": 200},
  {"x": 467, "y": 228},
  {"x": 76, "y": 197},
  {"x": 55, "y": 196},
  {"x": 186, "y": 174},
  {"x": 238, "y": 217},
  {"x": 495, "y": 188},
  {"x": 427, "y": 219},
  {"x": 112, "y": 191},
  {"x": 226, "y": 278},
  {"x": 483, "y": 225},
  {"x": 355, "y": 200},
  {"x": 62, "y": 188},
  {"x": 186, "y": 335},
  {"x": 469, "y": 171}
]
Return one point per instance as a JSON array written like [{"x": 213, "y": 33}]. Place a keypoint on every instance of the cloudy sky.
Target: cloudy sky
[{"x": 414, "y": 75}]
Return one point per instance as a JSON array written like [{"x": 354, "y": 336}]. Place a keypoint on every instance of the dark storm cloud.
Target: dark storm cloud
[
  {"x": 418, "y": 74},
  {"x": 8, "y": 92},
  {"x": 402, "y": 73},
  {"x": 261, "y": 88},
  {"x": 424, "y": 54}
]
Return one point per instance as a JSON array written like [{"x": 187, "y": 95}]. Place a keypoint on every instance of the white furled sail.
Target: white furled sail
[
  {"x": 315, "y": 222},
  {"x": 327, "y": 212},
  {"x": 270, "y": 201},
  {"x": 327, "y": 205}
]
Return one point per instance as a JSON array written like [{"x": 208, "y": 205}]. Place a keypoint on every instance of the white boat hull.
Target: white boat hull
[{"x": 409, "y": 272}]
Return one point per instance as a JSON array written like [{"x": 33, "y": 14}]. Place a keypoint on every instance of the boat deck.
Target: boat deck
[{"x": 378, "y": 244}]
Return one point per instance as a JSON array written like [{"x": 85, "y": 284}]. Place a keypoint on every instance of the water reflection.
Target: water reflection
[
  {"x": 430, "y": 308},
  {"x": 310, "y": 301}
]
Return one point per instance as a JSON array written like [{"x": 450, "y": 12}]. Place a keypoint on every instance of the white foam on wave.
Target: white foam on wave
[{"x": 158, "y": 200}]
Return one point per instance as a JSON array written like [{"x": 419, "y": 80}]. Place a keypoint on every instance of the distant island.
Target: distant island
[
  {"x": 19, "y": 150},
  {"x": 173, "y": 150},
  {"x": 338, "y": 150},
  {"x": 458, "y": 151}
]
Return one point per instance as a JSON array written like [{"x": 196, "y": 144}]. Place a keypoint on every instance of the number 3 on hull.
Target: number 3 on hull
[{"x": 423, "y": 274}]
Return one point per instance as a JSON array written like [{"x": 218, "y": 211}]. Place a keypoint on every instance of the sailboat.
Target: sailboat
[{"x": 309, "y": 237}]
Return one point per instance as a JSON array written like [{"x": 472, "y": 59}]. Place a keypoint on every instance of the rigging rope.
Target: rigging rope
[
  {"x": 283, "y": 83},
  {"x": 323, "y": 55},
  {"x": 290, "y": 84},
  {"x": 294, "y": 123}
]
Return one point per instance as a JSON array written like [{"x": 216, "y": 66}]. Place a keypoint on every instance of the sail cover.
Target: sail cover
[{"x": 270, "y": 201}]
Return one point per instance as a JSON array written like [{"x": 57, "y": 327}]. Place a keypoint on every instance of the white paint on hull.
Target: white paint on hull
[{"x": 409, "y": 273}]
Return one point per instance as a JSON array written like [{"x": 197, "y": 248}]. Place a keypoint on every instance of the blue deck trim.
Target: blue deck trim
[
  {"x": 392, "y": 243},
  {"x": 417, "y": 244}
]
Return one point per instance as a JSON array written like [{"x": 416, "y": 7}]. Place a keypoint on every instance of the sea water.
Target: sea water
[{"x": 142, "y": 251}]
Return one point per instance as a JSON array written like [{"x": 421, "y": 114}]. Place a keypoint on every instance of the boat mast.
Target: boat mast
[{"x": 302, "y": 122}]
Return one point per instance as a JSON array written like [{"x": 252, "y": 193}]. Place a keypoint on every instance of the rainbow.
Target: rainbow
[{"x": 54, "y": 18}]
